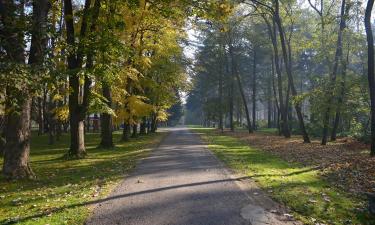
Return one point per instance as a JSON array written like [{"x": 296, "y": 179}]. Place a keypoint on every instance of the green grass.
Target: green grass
[
  {"x": 64, "y": 188},
  {"x": 311, "y": 199}
]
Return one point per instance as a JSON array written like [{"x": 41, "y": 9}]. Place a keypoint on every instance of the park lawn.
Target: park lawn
[
  {"x": 65, "y": 189},
  {"x": 311, "y": 199}
]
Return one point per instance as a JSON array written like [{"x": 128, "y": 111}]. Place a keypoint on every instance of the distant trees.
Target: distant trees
[{"x": 310, "y": 58}]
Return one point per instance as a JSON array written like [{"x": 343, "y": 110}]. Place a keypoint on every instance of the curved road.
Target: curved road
[{"x": 182, "y": 183}]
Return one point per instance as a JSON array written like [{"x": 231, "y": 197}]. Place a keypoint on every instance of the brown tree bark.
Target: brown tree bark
[
  {"x": 126, "y": 132},
  {"x": 154, "y": 123},
  {"x": 17, "y": 148},
  {"x": 135, "y": 131},
  {"x": 77, "y": 146},
  {"x": 370, "y": 70}
]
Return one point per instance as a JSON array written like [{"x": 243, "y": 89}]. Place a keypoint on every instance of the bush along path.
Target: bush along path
[
  {"x": 312, "y": 199},
  {"x": 65, "y": 190}
]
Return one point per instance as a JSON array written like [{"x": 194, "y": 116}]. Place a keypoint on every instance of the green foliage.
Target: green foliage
[
  {"x": 98, "y": 104},
  {"x": 18, "y": 81}
]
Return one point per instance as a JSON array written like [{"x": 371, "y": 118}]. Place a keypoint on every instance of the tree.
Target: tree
[
  {"x": 272, "y": 31},
  {"x": 18, "y": 97},
  {"x": 370, "y": 70},
  {"x": 338, "y": 57},
  {"x": 77, "y": 107},
  {"x": 287, "y": 61},
  {"x": 106, "y": 119}
]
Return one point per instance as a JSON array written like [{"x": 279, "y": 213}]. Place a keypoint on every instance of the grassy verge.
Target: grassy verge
[
  {"x": 311, "y": 199},
  {"x": 65, "y": 189}
]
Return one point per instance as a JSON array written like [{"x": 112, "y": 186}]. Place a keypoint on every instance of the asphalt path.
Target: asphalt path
[{"x": 183, "y": 183}]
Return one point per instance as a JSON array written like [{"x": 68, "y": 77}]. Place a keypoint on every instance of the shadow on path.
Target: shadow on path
[{"x": 119, "y": 196}]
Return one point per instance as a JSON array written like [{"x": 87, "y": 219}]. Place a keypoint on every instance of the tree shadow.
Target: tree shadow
[{"x": 98, "y": 201}]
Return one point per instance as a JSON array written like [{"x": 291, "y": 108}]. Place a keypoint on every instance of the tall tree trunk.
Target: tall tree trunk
[
  {"x": 277, "y": 113},
  {"x": 52, "y": 132},
  {"x": 221, "y": 127},
  {"x": 40, "y": 116},
  {"x": 17, "y": 148},
  {"x": 283, "y": 118},
  {"x": 126, "y": 132},
  {"x": 332, "y": 82},
  {"x": 238, "y": 78},
  {"x": 340, "y": 98},
  {"x": 231, "y": 99},
  {"x": 154, "y": 122},
  {"x": 87, "y": 124},
  {"x": 287, "y": 62},
  {"x": 238, "y": 112},
  {"x": 51, "y": 122},
  {"x": 77, "y": 141},
  {"x": 142, "y": 127},
  {"x": 269, "y": 104},
  {"x": 370, "y": 70},
  {"x": 254, "y": 88},
  {"x": 287, "y": 109},
  {"x": 106, "y": 119},
  {"x": 135, "y": 131},
  {"x": 78, "y": 109},
  {"x": 77, "y": 146},
  {"x": 278, "y": 122}
]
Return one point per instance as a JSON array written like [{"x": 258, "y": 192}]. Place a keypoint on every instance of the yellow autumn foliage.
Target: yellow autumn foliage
[
  {"x": 134, "y": 108},
  {"x": 62, "y": 113}
]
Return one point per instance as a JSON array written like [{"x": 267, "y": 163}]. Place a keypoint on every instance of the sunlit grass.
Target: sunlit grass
[
  {"x": 311, "y": 199},
  {"x": 63, "y": 187}
]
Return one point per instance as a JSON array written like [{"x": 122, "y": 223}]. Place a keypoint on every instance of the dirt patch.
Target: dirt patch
[{"x": 345, "y": 163}]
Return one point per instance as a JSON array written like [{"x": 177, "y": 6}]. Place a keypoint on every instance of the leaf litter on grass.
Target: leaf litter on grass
[{"x": 345, "y": 163}]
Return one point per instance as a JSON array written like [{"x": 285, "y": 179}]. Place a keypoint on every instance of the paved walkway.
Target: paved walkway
[{"x": 182, "y": 183}]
